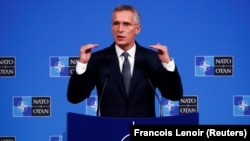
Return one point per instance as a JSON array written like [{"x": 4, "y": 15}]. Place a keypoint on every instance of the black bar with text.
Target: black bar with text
[{"x": 204, "y": 132}]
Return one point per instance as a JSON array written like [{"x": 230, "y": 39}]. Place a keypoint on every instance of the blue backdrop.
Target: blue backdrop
[{"x": 36, "y": 35}]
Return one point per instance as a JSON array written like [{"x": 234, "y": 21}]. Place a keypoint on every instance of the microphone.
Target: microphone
[
  {"x": 158, "y": 98},
  {"x": 107, "y": 76}
]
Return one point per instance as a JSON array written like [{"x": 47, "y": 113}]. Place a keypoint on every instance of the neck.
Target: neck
[{"x": 126, "y": 47}]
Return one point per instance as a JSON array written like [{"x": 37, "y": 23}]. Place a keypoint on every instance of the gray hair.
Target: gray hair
[{"x": 124, "y": 7}]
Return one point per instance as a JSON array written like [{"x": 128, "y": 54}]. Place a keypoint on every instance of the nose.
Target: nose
[{"x": 120, "y": 27}]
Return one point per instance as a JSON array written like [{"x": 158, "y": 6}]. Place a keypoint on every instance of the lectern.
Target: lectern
[{"x": 92, "y": 128}]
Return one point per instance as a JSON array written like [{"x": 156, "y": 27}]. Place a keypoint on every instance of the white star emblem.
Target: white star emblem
[
  {"x": 243, "y": 105},
  {"x": 22, "y": 106},
  {"x": 93, "y": 105},
  {"x": 169, "y": 105},
  {"x": 204, "y": 66},
  {"x": 59, "y": 66}
]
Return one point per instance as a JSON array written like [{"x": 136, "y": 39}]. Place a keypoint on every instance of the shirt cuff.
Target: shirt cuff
[
  {"x": 170, "y": 66},
  {"x": 80, "y": 68}
]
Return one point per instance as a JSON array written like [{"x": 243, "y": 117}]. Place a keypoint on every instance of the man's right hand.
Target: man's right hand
[{"x": 85, "y": 52}]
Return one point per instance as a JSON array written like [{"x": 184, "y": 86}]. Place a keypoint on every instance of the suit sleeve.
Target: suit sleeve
[
  {"x": 169, "y": 83},
  {"x": 81, "y": 86}
]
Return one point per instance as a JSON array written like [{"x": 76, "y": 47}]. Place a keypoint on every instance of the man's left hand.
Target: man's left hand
[{"x": 162, "y": 52}]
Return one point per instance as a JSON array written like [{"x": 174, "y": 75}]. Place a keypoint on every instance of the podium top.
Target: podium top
[{"x": 191, "y": 118}]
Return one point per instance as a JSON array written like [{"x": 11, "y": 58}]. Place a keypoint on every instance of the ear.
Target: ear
[{"x": 138, "y": 29}]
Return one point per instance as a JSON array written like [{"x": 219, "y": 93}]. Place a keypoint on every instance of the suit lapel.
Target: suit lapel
[
  {"x": 114, "y": 68},
  {"x": 138, "y": 71}
]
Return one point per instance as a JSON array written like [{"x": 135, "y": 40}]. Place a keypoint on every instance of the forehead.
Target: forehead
[{"x": 127, "y": 16}]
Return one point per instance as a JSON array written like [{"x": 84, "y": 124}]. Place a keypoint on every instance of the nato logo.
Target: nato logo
[
  {"x": 62, "y": 66},
  {"x": 169, "y": 108},
  {"x": 187, "y": 104},
  {"x": 7, "y": 138},
  {"x": 91, "y": 105},
  {"x": 213, "y": 66},
  {"x": 28, "y": 106},
  {"x": 7, "y": 67},
  {"x": 55, "y": 138},
  {"x": 241, "y": 105}
]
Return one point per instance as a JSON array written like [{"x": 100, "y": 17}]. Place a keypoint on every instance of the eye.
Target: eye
[
  {"x": 116, "y": 24},
  {"x": 126, "y": 24}
]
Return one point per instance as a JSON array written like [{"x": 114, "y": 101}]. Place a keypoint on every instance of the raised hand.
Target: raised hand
[
  {"x": 85, "y": 52},
  {"x": 162, "y": 52}
]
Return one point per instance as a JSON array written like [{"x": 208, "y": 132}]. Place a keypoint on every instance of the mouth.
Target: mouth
[{"x": 119, "y": 37}]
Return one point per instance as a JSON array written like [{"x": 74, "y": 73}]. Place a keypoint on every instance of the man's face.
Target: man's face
[{"x": 124, "y": 29}]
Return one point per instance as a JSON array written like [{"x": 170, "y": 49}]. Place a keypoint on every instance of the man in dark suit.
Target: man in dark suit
[{"x": 147, "y": 70}]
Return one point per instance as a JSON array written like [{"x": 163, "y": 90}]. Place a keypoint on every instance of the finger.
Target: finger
[
  {"x": 156, "y": 46},
  {"x": 90, "y": 46}
]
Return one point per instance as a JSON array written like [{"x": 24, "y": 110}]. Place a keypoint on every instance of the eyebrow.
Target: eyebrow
[{"x": 124, "y": 22}]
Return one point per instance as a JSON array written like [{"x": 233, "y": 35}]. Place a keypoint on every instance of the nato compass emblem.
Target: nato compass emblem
[
  {"x": 170, "y": 108},
  {"x": 241, "y": 106},
  {"x": 91, "y": 107},
  {"x": 59, "y": 66},
  {"x": 169, "y": 105},
  {"x": 204, "y": 65},
  {"x": 62, "y": 66},
  {"x": 22, "y": 107}
]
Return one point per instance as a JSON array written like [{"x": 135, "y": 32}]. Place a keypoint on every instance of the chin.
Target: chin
[{"x": 121, "y": 43}]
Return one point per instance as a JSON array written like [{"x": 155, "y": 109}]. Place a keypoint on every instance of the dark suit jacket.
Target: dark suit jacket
[{"x": 140, "y": 102}]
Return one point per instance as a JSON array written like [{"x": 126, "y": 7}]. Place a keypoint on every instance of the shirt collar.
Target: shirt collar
[{"x": 131, "y": 51}]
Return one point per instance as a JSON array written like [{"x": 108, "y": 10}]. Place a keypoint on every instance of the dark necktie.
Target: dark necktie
[{"x": 126, "y": 71}]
